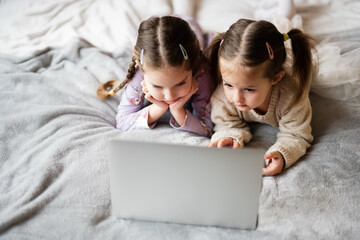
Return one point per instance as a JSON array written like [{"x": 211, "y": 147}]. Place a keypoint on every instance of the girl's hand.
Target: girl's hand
[
  {"x": 179, "y": 104},
  {"x": 275, "y": 163},
  {"x": 149, "y": 97},
  {"x": 222, "y": 142},
  {"x": 177, "y": 108}
]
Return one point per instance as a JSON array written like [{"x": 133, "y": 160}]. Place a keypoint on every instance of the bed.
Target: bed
[{"x": 54, "y": 175}]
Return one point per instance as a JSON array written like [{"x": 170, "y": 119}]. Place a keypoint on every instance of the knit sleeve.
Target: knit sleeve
[
  {"x": 294, "y": 136},
  {"x": 228, "y": 121}
]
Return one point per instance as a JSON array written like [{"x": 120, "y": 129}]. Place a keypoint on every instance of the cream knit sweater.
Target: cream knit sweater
[{"x": 292, "y": 120}]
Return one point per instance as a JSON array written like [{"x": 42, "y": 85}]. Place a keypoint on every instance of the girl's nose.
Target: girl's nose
[
  {"x": 169, "y": 95},
  {"x": 238, "y": 97}
]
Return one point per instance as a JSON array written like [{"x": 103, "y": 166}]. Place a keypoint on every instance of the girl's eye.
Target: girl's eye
[
  {"x": 228, "y": 85},
  {"x": 249, "y": 90},
  {"x": 180, "y": 84},
  {"x": 155, "y": 86}
]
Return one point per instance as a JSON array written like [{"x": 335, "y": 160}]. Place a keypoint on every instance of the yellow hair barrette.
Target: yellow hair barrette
[{"x": 286, "y": 36}]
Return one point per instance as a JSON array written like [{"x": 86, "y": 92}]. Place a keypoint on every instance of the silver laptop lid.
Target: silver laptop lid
[{"x": 186, "y": 184}]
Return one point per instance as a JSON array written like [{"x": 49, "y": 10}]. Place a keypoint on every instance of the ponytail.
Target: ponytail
[
  {"x": 212, "y": 54},
  {"x": 302, "y": 62},
  {"x": 107, "y": 89}
]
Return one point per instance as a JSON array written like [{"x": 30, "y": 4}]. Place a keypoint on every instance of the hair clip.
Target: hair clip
[
  {"x": 286, "y": 36},
  {"x": 222, "y": 40},
  {"x": 141, "y": 56},
  {"x": 186, "y": 57},
  {"x": 270, "y": 51}
]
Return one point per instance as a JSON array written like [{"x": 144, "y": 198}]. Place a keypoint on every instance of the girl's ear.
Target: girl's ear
[{"x": 278, "y": 77}]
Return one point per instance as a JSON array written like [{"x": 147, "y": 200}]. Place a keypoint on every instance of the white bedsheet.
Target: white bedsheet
[{"x": 29, "y": 26}]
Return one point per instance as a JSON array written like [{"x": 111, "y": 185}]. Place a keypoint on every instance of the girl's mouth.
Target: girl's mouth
[{"x": 241, "y": 105}]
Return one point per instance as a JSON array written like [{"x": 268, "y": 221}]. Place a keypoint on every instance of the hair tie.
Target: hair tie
[
  {"x": 286, "y": 36},
  {"x": 186, "y": 57},
  {"x": 222, "y": 40},
  {"x": 270, "y": 51}
]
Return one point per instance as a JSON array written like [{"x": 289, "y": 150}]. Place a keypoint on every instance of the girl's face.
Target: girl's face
[
  {"x": 168, "y": 84},
  {"x": 246, "y": 87}
]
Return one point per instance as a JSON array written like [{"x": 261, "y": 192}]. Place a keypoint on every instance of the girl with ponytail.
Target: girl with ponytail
[
  {"x": 167, "y": 80},
  {"x": 253, "y": 84}
]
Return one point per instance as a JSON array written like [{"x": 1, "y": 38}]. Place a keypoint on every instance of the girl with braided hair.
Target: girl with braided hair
[
  {"x": 257, "y": 85},
  {"x": 168, "y": 79}
]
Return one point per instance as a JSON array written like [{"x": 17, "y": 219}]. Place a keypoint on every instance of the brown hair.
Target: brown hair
[
  {"x": 246, "y": 40},
  {"x": 160, "y": 38}
]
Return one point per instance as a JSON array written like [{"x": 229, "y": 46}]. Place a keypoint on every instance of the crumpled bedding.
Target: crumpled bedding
[{"x": 54, "y": 176}]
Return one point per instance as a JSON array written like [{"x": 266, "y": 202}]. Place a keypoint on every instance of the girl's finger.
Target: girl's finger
[
  {"x": 149, "y": 97},
  {"x": 270, "y": 155},
  {"x": 212, "y": 144},
  {"x": 220, "y": 143},
  {"x": 236, "y": 144},
  {"x": 272, "y": 169},
  {"x": 224, "y": 142},
  {"x": 275, "y": 154}
]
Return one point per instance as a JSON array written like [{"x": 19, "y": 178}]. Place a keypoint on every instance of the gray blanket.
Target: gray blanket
[{"x": 54, "y": 176}]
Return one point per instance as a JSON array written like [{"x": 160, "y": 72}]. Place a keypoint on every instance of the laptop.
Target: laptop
[{"x": 186, "y": 184}]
